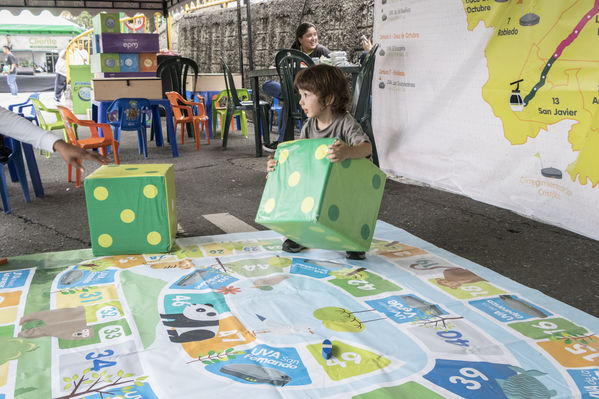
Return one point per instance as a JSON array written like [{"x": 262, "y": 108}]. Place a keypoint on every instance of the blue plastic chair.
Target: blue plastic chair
[
  {"x": 275, "y": 107},
  {"x": 21, "y": 107},
  {"x": 15, "y": 160},
  {"x": 279, "y": 109},
  {"x": 130, "y": 114}
]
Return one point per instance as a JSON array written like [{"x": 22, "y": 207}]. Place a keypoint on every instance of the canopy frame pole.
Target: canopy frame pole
[{"x": 240, "y": 34}]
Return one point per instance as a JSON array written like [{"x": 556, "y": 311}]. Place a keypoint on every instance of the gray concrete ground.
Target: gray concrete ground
[{"x": 557, "y": 262}]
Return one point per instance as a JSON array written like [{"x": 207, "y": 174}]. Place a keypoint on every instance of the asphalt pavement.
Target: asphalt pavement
[{"x": 557, "y": 262}]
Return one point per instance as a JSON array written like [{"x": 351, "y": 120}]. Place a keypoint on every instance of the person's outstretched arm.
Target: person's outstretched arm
[{"x": 15, "y": 126}]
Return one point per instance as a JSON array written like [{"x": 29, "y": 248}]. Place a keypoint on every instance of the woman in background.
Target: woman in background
[{"x": 306, "y": 41}]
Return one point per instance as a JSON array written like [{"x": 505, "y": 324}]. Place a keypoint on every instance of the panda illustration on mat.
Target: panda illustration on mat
[{"x": 196, "y": 323}]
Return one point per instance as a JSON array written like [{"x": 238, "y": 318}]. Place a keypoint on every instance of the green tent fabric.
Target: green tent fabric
[{"x": 38, "y": 29}]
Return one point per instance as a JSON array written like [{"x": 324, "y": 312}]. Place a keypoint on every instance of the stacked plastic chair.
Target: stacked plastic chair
[
  {"x": 94, "y": 141},
  {"x": 219, "y": 110},
  {"x": 183, "y": 113},
  {"x": 130, "y": 114}
]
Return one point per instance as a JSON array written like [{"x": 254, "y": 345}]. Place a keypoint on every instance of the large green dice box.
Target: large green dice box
[
  {"x": 321, "y": 204},
  {"x": 131, "y": 209}
]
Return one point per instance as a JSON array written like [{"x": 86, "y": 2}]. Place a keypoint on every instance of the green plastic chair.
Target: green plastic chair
[
  {"x": 288, "y": 63},
  {"x": 360, "y": 107},
  {"x": 219, "y": 109},
  {"x": 235, "y": 104},
  {"x": 58, "y": 125}
]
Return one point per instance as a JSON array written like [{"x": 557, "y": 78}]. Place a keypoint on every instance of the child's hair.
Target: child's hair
[{"x": 325, "y": 81}]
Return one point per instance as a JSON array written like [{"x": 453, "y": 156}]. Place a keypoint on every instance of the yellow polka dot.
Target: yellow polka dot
[
  {"x": 334, "y": 239},
  {"x": 316, "y": 229},
  {"x": 269, "y": 205},
  {"x": 100, "y": 193},
  {"x": 321, "y": 151},
  {"x": 150, "y": 191},
  {"x": 127, "y": 215},
  {"x": 307, "y": 204},
  {"x": 294, "y": 178},
  {"x": 105, "y": 240},
  {"x": 283, "y": 156},
  {"x": 154, "y": 238}
]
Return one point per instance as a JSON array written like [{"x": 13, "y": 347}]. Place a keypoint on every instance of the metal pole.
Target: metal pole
[
  {"x": 250, "y": 40},
  {"x": 240, "y": 34},
  {"x": 255, "y": 89},
  {"x": 165, "y": 14}
]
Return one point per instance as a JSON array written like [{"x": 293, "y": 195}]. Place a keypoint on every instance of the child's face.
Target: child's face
[{"x": 310, "y": 103}]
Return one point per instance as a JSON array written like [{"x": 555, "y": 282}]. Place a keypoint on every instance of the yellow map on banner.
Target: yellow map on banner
[
  {"x": 497, "y": 100},
  {"x": 543, "y": 70}
]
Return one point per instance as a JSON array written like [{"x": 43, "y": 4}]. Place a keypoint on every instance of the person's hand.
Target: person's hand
[
  {"x": 366, "y": 45},
  {"x": 338, "y": 151},
  {"x": 270, "y": 165},
  {"x": 73, "y": 155}
]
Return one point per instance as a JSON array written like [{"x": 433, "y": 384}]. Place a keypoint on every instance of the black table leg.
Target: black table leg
[{"x": 257, "y": 116}]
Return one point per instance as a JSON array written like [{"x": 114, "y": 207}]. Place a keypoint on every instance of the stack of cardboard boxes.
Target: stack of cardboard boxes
[
  {"x": 117, "y": 54},
  {"x": 128, "y": 57}
]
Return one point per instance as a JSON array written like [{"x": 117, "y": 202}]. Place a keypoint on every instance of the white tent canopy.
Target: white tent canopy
[{"x": 44, "y": 23}]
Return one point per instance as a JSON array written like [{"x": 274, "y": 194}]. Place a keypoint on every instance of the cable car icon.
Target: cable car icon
[{"x": 516, "y": 102}]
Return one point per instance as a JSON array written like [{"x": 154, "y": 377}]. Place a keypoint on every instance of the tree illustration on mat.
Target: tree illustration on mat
[
  {"x": 101, "y": 383},
  {"x": 216, "y": 357}
]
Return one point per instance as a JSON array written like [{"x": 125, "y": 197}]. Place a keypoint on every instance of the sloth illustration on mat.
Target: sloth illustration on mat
[
  {"x": 196, "y": 323},
  {"x": 64, "y": 323},
  {"x": 453, "y": 277}
]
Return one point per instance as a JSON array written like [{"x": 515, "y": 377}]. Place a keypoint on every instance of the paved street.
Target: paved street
[{"x": 211, "y": 181}]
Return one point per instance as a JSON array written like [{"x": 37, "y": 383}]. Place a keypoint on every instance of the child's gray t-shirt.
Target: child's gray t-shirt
[{"x": 344, "y": 127}]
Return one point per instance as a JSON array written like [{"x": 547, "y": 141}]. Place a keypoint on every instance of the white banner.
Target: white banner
[
  {"x": 39, "y": 42},
  {"x": 493, "y": 99}
]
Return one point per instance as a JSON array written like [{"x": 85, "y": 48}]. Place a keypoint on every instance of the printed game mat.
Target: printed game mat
[{"x": 231, "y": 316}]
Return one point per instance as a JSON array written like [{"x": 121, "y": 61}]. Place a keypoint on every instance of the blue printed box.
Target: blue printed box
[{"x": 129, "y": 62}]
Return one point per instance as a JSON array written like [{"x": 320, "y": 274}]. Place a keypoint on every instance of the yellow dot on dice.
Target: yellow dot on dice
[
  {"x": 154, "y": 238},
  {"x": 294, "y": 178},
  {"x": 284, "y": 155},
  {"x": 100, "y": 193},
  {"x": 307, "y": 204},
  {"x": 333, "y": 238},
  {"x": 316, "y": 229},
  {"x": 127, "y": 215},
  {"x": 150, "y": 191},
  {"x": 321, "y": 151},
  {"x": 105, "y": 240},
  {"x": 269, "y": 205}
]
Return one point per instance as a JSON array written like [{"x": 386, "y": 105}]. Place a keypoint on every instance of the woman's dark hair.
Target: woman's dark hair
[
  {"x": 299, "y": 32},
  {"x": 326, "y": 82}
]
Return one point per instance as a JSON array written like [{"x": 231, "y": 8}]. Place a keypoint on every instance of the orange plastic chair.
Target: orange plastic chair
[
  {"x": 179, "y": 104},
  {"x": 95, "y": 141}
]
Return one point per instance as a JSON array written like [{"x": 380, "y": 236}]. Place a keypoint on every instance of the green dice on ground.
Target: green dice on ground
[
  {"x": 320, "y": 204},
  {"x": 131, "y": 209},
  {"x": 106, "y": 22}
]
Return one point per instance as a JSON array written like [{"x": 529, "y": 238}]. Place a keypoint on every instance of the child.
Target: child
[{"x": 324, "y": 97}]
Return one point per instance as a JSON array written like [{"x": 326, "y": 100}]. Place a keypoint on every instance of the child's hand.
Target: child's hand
[
  {"x": 338, "y": 151},
  {"x": 270, "y": 165}
]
